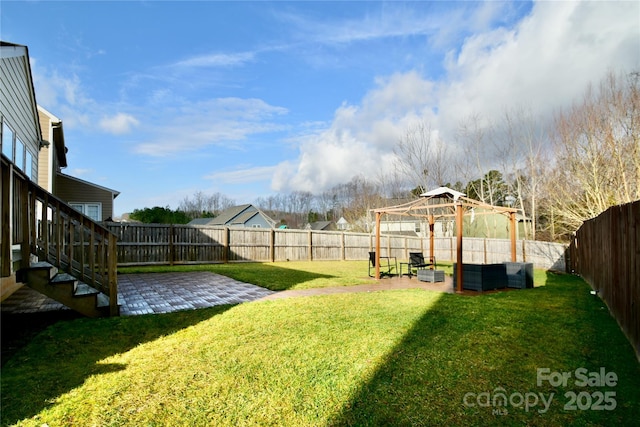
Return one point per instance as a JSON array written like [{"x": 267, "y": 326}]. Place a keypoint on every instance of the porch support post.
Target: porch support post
[
  {"x": 378, "y": 215},
  {"x": 512, "y": 232},
  {"x": 459, "y": 218},
  {"x": 6, "y": 217}
]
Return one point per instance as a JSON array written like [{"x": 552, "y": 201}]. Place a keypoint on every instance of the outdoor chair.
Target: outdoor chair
[
  {"x": 386, "y": 265},
  {"x": 417, "y": 261}
]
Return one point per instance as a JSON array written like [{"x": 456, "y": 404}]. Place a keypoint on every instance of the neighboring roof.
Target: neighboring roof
[
  {"x": 108, "y": 190},
  {"x": 200, "y": 221},
  {"x": 236, "y": 215},
  {"x": 228, "y": 215},
  {"x": 58, "y": 137},
  {"x": 318, "y": 225},
  {"x": 12, "y": 50}
]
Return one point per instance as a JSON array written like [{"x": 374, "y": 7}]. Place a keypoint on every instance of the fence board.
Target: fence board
[
  {"x": 140, "y": 244},
  {"x": 605, "y": 252}
]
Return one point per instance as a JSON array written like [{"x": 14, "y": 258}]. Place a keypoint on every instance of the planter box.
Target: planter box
[
  {"x": 519, "y": 274},
  {"x": 431, "y": 275},
  {"x": 481, "y": 277}
]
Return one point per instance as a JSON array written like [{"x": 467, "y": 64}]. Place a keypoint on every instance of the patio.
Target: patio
[
  {"x": 167, "y": 292},
  {"x": 153, "y": 293}
]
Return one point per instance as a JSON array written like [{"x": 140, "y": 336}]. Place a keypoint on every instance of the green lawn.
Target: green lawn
[
  {"x": 383, "y": 358},
  {"x": 279, "y": 276}
]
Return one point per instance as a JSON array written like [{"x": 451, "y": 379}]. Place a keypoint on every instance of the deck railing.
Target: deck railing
[{"x": 46, "y": 226}]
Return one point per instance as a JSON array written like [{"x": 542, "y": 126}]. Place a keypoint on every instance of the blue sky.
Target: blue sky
[{"x": 162, "y": 99}]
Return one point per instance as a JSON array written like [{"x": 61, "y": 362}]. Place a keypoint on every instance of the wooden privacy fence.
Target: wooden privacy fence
[
  {"x": 148, "y": 244},
  {"x": 606, "y": 253}
]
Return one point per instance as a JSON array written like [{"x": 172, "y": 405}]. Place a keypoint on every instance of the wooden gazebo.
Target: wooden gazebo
[{"x": 440, "y": 203}]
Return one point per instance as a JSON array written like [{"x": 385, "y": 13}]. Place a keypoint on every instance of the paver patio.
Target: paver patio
[{"x": 147, "y": 293}]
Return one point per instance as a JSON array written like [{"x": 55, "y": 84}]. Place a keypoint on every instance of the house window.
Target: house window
[
  {"x": 417, "y": 227},
  {"x": 92, "y": 210},
  {"x": 7, "y": 141},
  {"x": 256, "y": 226},
  {"x": 28, "y": 167},
  {"x": 19, "y": 159}
]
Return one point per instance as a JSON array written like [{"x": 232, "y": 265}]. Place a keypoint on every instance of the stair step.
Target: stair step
[
  {"x": 63, "y": 277},
  {"x": 82, "y": 289},
  {"x": 43, "y": 265},
  {"x": 103, "y": 300}
]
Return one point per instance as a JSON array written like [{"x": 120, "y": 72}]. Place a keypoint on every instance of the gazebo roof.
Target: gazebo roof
[
  {"x": 443, "y": 192},
  {"x": 442, "y": 202}
]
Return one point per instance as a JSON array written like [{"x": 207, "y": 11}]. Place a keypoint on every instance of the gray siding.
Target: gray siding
[
  {"x": 17, "y": 101},
  {"x": 257, "y": 220}
]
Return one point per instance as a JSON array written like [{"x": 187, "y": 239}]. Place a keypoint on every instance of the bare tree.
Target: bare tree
[
  {"x": 202, "y": 204},
  {"x": 597, "y": 144},
  {"x": 422, "y": 157},
  {"x": 474, "y": 138},
  {"x": 522, "y": 155}
]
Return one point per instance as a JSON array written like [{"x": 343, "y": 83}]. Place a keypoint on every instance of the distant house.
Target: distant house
[
  {"x": 343, "y": 224},
  {"x": 238, "y": 216},
  {"x": 93, "y": 200},
  {"x": 321, "y": 226}
]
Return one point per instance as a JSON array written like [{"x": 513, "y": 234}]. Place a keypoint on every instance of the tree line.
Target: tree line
[{"x": 558, "y": 173}]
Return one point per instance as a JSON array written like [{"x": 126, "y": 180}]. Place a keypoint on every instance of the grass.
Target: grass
[
  {"x": 279, "y": 276},
  {"x": 381, "y": 358}
]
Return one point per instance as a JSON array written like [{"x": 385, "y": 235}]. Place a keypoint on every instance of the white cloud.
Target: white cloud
[
  {"x": 218, "y": 121},
  {"x": 119, "y": 124},
  {"x": 243, "y": 175},
  {"x": 545, "y": 62},
  {"x": 216, "y": 60},
  {"x": 61, "y": 94},
  {"x": 79, "y": 172}
]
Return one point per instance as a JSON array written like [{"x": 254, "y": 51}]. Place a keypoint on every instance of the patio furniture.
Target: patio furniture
[
  {"x": 481, "y": 277},
  {"x": 417, "y": 261},
  {"x": 519, "y": 274},
  {"x": 387, "y": 265},
  {"x": 427, "y": 275}
]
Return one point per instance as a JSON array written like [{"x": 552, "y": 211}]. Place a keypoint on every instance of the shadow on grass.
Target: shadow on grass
[
  {"x": 66, "y": 362},
  {"x": 261, "y": 274},
  {"x": 494, "y": 344}
]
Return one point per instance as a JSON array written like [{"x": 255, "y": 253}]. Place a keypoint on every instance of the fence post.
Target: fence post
[
  {"x": 172, "y": 253},
  {"x": 343, "y": 250},
  {"x": 272, "y": 245},
  {"x": 484, "y": 248},
  {"x": 310, "y": 246},
  {"x": 226, "y": 245}
]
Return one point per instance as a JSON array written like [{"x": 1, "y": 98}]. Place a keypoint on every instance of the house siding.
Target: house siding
[
  {"x": 257, "y": 220},
  {"x": 17, "y": 102},
  {"x": 45, "y": 161},
  {"x": 74, "y": 191}
]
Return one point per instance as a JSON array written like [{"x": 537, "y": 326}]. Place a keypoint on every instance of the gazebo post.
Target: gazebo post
[
  {"x": 459, "y": 218},
  {"x": 431, "y": 238},
  {"x": 512, "y": 232},
  {"x": 378, "y": 215}
]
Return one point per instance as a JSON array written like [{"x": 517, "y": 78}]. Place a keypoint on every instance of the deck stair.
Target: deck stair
[{"x": 66, "y": 289}]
